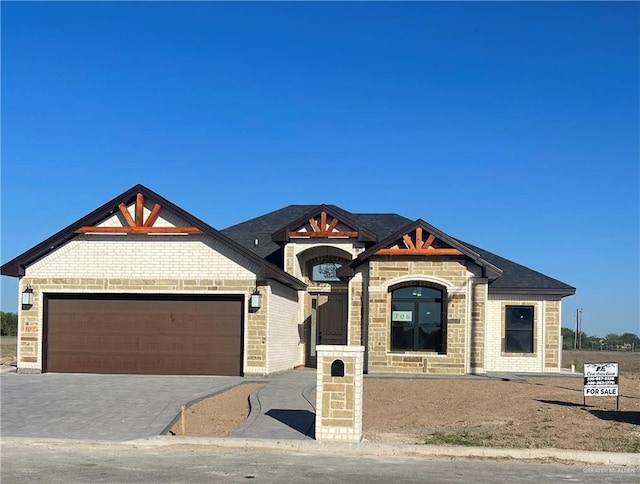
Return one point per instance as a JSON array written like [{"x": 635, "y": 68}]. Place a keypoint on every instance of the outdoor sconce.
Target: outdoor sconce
[
  {"x": 27, "y": 297},
  {"x": 255, "y": 301}
]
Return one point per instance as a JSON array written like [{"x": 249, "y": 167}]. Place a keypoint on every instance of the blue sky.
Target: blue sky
[{"x": 511, "y": 125}]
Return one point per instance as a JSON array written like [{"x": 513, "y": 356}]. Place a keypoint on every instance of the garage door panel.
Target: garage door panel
[{"x": 144, "y": 336}]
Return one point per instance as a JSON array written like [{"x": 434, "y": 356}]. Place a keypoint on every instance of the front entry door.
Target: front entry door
[
  {"x": 332, "y": 319},
  {"x": 328, "y": 322}
]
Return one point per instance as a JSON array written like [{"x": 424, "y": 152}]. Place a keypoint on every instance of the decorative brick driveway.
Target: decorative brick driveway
[{"x": 98, "y": 407}]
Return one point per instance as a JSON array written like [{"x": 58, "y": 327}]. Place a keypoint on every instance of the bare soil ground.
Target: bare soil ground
[
  {"x": 540, "y": 412},
  {"x": 8, "y": 350},
  {"x": 217, "y": 416}
]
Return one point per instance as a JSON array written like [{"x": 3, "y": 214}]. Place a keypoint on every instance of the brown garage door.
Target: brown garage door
[{"x": 143, "y": 335}]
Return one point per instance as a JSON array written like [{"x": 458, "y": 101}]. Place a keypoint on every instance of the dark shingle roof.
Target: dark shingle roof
[
  {"x": 262, "y": 227},
  {"x": 515, "y": 278},
  {"x": 382, "y": 224}
]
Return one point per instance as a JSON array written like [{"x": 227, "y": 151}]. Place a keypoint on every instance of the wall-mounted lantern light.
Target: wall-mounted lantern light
[
  {"x": 27, "y": 297},
  {"x": 255, "y": 301}
]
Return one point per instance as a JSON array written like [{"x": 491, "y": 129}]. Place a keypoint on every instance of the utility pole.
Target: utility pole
[
  {"x": 575, "y": 335},
  {"x": 579, "y": 316}
]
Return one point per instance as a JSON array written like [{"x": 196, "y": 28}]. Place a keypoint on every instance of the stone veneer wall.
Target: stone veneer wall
[
  {"x": 31, "y": 320},
  {"x": 300, "y": 252},
  {"x": 477, "y": 330},
  {"x": 452, "y": 275},
  {"x": 552, "y": 348},
  {"x": 339, "y": 398},
  {"x": 356, "y": 310}
]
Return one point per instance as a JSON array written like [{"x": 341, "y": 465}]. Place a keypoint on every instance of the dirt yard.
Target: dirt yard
[
  {"x": 217, "y": 416},
  {"x": 540, "y": 412},
  {"x": 8, "y": 350}
]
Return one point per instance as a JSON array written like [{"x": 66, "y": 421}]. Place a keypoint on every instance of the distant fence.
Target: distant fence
[{"x": 629, "y": 347}]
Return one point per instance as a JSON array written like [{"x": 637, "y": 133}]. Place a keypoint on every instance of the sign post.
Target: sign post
[{"x": 601, "y": 380}]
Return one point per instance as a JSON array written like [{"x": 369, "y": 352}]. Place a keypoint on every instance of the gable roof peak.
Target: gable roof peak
[
  {"x": 316, "y": 223},
  {"x": 422, "y": 245},
  {"x": 16, "y": 266}
]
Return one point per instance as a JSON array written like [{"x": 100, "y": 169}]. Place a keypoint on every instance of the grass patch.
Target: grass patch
[{"x": 464, "y": 437}]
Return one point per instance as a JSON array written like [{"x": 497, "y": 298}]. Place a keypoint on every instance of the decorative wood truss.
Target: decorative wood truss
[
  {"x": 320, "y": 228},
  {"x": 138, "y": 225},
  {"x": 418, "y": 246}
]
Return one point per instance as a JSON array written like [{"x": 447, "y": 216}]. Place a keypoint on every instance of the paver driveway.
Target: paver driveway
[{"x": 100, "y": 407}]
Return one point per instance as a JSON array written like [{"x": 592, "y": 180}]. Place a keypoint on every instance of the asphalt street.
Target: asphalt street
[{"x": 83, "y": 463}]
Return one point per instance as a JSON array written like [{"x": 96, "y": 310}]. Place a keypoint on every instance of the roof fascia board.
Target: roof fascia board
[
  {"x": 15, "y": 267},
  {"x": 533, "y": 291},
  {"x": 489, "y": 270},
  {"x": 270, "y": 271},
  {"x": 282, "y": 235}
]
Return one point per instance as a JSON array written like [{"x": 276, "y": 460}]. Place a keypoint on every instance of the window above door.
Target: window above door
[{"x": 325, "y": 272}]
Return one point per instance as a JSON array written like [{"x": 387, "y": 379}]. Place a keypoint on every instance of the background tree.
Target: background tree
[
  {"x": 630, "y": 338},
  {"x": 8, "y": 324}
]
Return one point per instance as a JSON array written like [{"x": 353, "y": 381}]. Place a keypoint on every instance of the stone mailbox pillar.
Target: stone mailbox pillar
[{"x": 339, "y": 393}]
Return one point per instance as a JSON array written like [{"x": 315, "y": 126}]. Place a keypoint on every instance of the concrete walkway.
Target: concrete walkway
[{"x": 283, "y": 409}]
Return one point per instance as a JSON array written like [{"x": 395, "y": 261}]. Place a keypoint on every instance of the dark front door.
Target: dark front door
[
  {"x": 328, "y": 320},
  {"x": 332, "y": 319}
]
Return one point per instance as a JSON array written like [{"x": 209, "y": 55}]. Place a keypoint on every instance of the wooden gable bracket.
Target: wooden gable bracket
[
  {"x": 138, "y": 225},
  {"x": 418, "y": 247},
  {"x": 320, "y": 228}
]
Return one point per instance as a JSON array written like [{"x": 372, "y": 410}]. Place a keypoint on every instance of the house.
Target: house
[{"x": 139, "y": 285}]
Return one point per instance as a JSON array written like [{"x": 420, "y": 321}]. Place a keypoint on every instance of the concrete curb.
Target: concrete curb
[
  {"x": 255, "y": 410},
  {"x": 345, "y": 448},
  {"x": 306, "y": 394},
  {"x": 190, "y": 403}
]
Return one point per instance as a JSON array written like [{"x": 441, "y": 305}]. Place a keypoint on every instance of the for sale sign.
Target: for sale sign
[{"x": 601, "y": 379}]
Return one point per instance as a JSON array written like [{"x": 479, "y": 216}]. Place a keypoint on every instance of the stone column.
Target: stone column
[{"x": 339, "y": 393}]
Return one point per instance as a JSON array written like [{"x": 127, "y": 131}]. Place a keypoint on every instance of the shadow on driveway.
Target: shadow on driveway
[{"x": 302, "y": 421}]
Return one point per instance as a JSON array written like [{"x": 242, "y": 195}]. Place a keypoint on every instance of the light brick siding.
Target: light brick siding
[
  {"x": 546, "y": 334},
  {"x": 142, "y": 257},
  {"x": 284, "y": 329},
  {"x": 452, "y": 276},
  {"x": 165, "y": 218},
  {"x": 141, "y": 264}
]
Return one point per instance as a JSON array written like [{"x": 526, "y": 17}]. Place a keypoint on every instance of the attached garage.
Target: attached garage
[{"x": 143, "y": 334}]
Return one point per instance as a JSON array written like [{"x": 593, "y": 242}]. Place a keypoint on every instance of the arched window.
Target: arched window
[
  {"x": 417, "y": 319},
  {"x": 325, "y": 272}
]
